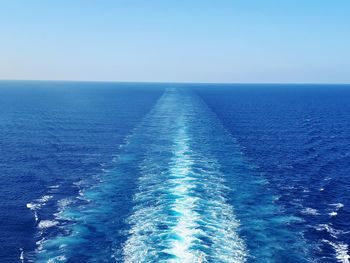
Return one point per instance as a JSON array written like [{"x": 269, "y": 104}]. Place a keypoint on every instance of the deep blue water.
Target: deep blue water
[{"x": 121, "y": 172}]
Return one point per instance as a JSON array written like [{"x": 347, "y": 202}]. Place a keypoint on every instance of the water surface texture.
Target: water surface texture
[{"x": 105, "y": 172}]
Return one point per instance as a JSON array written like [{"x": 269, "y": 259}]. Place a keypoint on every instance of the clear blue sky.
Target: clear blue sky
[{"x": 176, "y": 40}]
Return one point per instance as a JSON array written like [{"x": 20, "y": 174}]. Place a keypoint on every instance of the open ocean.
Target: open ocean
[{"x": 123, "y": 172}]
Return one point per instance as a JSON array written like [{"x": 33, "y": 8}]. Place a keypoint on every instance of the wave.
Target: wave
[
  {"x": 180, "y": 192},
  {"x": 189, "y": 219},
  {"x": 341, "y": 251}
]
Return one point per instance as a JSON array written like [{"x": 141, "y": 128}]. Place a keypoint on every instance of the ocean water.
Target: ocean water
[{"x": 122, "y": 172}]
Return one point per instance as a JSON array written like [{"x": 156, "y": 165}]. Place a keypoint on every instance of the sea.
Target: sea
[{"x": 160, "y": 172}]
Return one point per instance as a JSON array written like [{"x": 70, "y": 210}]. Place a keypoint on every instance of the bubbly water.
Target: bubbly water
[{"x": 107, "y": 172}]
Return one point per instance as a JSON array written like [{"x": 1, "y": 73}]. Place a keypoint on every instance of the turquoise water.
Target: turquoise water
[{"x": 195, "y": 173}]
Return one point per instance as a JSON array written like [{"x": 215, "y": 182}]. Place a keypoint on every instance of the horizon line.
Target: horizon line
[{"x": 179, "y": 82}]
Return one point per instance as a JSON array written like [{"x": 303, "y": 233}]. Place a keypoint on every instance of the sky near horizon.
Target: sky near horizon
[{"x": 176, "y": 40}]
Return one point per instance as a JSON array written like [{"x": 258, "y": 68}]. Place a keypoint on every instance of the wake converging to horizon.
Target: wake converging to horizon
[{"x": 208, "y": 174}]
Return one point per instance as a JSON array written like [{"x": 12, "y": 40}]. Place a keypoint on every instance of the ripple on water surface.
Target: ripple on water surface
[{"x": 180, "y": 191}]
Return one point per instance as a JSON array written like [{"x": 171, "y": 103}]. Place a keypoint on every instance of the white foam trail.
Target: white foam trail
[
  {"x": 38, "y": 204},
  {"x": 310, "y": 211},
  {"x": 36, "y": 216},
  {"x": 43, "y": 224},
  {"x": 57, "y": 259},
  {"x": 184, "y": 205},
  {"x": 334, "y": 213},
  {"x": 33, "y": 206},
  {"x": 332, "y": 231},
  {"x": 180, "y": 213},
  {"x": 21, "y": 257},
  {"x": 44, "y": 199},
  {"x": 337, "y": 205},
  {"x": 341, "y": 251}
]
